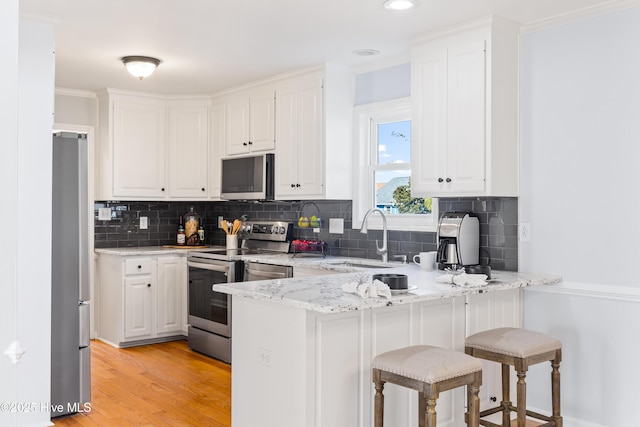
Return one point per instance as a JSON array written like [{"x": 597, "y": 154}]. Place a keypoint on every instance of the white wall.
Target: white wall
[
  {"x": 580, "y": 147},
  {"x": 9, "y": 180},
  {"x": 25, "y": 302}
]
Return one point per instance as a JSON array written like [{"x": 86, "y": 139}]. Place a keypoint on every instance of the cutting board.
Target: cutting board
[{"x": 184, "y": 247}]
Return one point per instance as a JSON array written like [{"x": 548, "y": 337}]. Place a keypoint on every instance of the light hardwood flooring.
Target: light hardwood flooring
[{"x": 153, "y": 386}]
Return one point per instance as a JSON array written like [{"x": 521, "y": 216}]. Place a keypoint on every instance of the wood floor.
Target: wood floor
[{"x": 153, "y": 386}]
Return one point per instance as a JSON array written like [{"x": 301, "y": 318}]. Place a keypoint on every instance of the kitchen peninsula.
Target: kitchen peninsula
[{"x": 302, "y": 347}]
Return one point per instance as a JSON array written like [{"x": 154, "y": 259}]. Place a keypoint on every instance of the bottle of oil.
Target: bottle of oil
[
  {"x": 201, "y": 232},
  {"x": 180, "y": 237}
]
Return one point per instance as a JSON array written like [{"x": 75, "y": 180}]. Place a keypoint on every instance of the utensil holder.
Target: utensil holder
[{"x": 232, "y": 241}]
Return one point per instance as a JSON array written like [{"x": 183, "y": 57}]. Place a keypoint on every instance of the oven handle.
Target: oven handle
[
  {"x": 269, "y": 274},
  {"x": 208, "y": 266}
]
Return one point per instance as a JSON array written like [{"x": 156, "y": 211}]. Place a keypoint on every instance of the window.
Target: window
[{"x": 383, "y": 175}]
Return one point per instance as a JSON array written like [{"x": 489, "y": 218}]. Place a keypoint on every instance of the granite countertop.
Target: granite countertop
[
  {"x": 150, "y": 250},
  {"x": 324, "y": 294}
]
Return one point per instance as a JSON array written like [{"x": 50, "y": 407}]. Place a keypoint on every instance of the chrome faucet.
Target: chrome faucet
[{"x": 379, "y": 250}]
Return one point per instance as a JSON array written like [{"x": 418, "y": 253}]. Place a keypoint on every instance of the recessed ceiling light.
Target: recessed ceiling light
[
  {"x": 400, "y": 4},
  {"x": 366, "y": 52}
]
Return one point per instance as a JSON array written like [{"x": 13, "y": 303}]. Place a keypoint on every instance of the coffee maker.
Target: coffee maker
[{"x": 458, "y": 240}]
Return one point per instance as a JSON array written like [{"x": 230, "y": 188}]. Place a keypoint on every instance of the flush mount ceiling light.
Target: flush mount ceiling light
[
  {"x": 140, "y": 66},
  {"x": 400, "y": 4},
  {"x": 366, "y": 52}
]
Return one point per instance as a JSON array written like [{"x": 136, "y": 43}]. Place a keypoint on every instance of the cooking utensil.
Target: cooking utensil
[
  {"x": 236, "y": 226},
  {"x": 224, "y": 226}
]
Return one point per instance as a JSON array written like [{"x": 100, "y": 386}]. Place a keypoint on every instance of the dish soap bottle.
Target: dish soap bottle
[{"x": 180, "y": 237}]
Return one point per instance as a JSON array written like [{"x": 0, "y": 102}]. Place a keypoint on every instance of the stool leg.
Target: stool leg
[
  {"x": 506, "y": 395},
  {"x": 555, "y": 392},
  {"x": 378, "y": 411},
  {"x": 422, "y": 409},
  {"x": 522, "y": 399},
  {"x": 430, "y": 414},
  {"x": 473, "y": 402}
]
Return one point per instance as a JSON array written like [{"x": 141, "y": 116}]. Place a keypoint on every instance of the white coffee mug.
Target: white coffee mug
[{"x": 426, "y": 260}]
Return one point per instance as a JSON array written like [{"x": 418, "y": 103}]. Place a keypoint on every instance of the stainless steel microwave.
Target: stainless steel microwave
[{"x": 248, "y": 178}]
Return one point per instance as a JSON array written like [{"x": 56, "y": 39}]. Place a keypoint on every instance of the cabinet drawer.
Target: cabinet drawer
[{"x": 137, "y": 266}]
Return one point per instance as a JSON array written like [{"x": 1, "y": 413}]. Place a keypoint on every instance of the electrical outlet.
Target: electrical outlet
[
  {"x": 336, "y": 225},
  {"x": 220, "y": 219},
  {"x": 104, "y": 214},
  {"x": 265, "y": 356},
  {"x": 144, "y": 223},
  {"x": 525, "y": 232}
]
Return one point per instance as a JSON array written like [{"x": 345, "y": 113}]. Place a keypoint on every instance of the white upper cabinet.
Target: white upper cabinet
[
  {"x": 138, "y": 148},
  {"x": 151, "y": 147},
  {"x": 465, "y": 103},
  {"x": 250, "y": 121},
  {"x": 217, "y": 138},
  {"x": 314, "y": 113},
  {"x": 188, "y": 148}
]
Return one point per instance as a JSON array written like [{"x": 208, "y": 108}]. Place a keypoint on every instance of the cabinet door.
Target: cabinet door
[
  {"x": 170, "y": 295},
  {"x": 299, "y": 121},
  {"x": 238, "y": 109},
  {"x": 466, "y": 131},
  {"x": 286, "y": 166},
  {"x": 138, "y": 149},
  {"x": 310, "y": 147},
  {"x": 262, "y": 120},
  {"x": 138, "y": 302},
  {"x": 188, "y": 143},
  {"x": 429, "y": 123}
]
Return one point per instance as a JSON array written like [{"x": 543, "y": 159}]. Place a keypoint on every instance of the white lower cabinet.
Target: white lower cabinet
[
  {"x": 322, "y": 362},
  {"x": 141, "y": 299}
]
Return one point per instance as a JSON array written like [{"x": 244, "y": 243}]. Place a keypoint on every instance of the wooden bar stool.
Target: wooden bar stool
[
  {"x": 519, "y": 348},
  {"x": 429, "y": 370}
]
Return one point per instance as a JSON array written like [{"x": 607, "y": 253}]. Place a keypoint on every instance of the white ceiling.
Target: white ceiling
[{"x": 209, "y": 45}]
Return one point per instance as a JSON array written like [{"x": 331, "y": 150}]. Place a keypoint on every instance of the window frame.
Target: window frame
[{"x": 366, "y": 118}]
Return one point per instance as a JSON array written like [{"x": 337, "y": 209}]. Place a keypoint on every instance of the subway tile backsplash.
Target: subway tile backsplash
[{"x": 498, "y": 226}]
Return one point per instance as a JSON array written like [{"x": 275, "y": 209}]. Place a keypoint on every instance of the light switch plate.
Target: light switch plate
[
  {"x": 104, "y": 214},
  {"x": 336, "y": 225}
]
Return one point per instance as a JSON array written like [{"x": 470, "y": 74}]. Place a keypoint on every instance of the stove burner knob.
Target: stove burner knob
[
  {"x": 281, "y": 230},
  {"x": 274, "y": 229}
]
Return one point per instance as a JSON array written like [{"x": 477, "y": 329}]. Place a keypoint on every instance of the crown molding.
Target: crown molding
[{"x": 578, "y": 15}]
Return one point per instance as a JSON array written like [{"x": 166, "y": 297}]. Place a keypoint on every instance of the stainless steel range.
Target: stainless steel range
[{"x": 210, "y": 311}]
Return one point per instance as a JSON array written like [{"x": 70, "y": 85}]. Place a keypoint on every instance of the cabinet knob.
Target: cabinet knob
[
  {"x": 293, "y": 186},
  {"x": 202, "y": 188},
  {"x": 148, "y": 285},
  {"x": 139, "y": 267},
  {"x": 244, "y": 143},
  {"x": 448, "y": 179},
  {"x": 162, "y": 189},
  {"x": 297, "y": 185},
  {"x": 440, "y": 179},
  {"x": 250, "y": 143},
  {"x": 493, "y": 399}
]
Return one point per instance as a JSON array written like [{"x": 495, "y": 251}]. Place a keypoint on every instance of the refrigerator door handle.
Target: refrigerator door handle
[{"x": 85, "y": 328}]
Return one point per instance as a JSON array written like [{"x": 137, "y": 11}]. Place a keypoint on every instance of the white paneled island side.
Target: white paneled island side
[{"x": 302, "y": 347}]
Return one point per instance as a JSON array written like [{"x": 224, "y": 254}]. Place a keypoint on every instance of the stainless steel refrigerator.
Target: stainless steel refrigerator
[{"x": 70, "y": 354}]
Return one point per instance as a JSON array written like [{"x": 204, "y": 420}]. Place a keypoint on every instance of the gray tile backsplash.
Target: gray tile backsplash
[{"x": 498, "y": 226}]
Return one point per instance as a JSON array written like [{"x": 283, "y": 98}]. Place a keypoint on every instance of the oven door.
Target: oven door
[{"x": 210, "y": 310}]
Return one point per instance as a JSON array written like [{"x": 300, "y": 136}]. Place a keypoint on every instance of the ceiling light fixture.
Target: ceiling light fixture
[
  {"x": 140, "y": 66},
  {"x": 366, "y": 52},
  {"x": 400, "y": 4}
]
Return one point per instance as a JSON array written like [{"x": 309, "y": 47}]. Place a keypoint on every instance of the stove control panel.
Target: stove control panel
[{"x": 279, "y": 231}]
